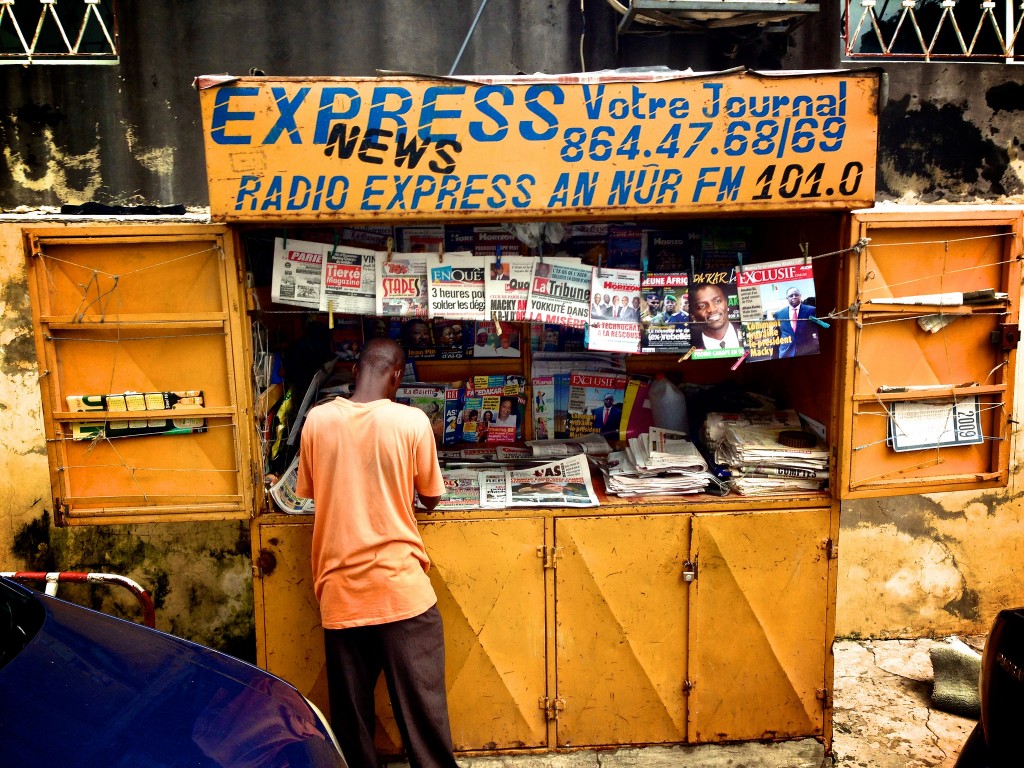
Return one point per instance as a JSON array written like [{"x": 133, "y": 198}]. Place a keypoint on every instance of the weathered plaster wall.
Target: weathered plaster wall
[
  {"x": 131, "y": 134},
  {"x": 199, "y": 574}
]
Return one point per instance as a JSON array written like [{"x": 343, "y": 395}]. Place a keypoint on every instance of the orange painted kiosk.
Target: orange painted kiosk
[{"x": 650, "y": 620}]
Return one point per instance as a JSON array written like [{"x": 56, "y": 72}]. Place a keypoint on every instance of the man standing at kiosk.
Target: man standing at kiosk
[{"x": 361, "y": 459}]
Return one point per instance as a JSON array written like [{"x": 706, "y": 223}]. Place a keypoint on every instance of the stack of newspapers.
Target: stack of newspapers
[
  {"x": 659, "y": 462},
  {"x": 767, "y": 459}
]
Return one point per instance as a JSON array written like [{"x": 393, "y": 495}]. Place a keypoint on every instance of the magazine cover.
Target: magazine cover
[
  {"x": 551, "y": 337},
  {"x": 455, "y": 286},
  {"x": 452, "y": 338},
  {"x": 494, "y": 339},
  {"x": 428, "y": 398},
  {"x": 560, "y": 293},
  {"x": 491, "y": 241},
  {"x": 587, "y": 242},
  {"x": 347, "y": 338},
  {"x": 421, "y": 239},
  {"x": 458, "y": 239},
  {"x": 349, "y": 280},
  {"x": 565, "y": 482},
  {"x": 776, "y": 304},
  {"x": 637, "y": 413},
  {"x": 672, "y": 250},
  {"x": 624, "y": 246},
  {"x": 715, "y": 329},
  {"x": 542, "y": 389},
  {"x": 615, "y": 311},
  {"x": 454, "y": 399},
  {"x": 595, "y": 403},
  {"x": 401, "y": 288},
  {"x": 665, "y": 317},
  {"x": 296, "y": 274}
]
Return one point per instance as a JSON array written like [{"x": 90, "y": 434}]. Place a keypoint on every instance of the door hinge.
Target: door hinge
[
  {"x": 60, "y": 512},
  {"x": 690, "y": 570},
  {"x": 824, "y": 695},
  {"x": 831, "y": 548},
  {"x": 551, "y": 707},
  {"x": 688, "y": 686},
  {"x": 549, "y": 556}
]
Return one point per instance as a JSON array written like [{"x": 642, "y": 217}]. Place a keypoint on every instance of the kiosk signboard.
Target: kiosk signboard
[{"x": 528, "y": 147}]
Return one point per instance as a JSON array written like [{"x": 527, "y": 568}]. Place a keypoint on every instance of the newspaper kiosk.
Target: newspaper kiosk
[{"x": 642, "y": 621}]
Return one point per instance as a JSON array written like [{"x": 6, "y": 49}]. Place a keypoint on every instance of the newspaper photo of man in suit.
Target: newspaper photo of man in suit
[{"x": 798, "y": 334}]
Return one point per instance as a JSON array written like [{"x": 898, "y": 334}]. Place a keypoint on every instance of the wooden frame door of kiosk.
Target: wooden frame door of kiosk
[{"x": 929, "y": 358}]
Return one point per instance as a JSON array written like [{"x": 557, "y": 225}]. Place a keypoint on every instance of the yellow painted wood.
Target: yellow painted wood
[
  {"x": 490, "y": 591},
  {"x": 490, "y": 586},
  {"x": 921, "y": 255},
  {"x": 621, "y": 617},
  {"x": 143, "y": 309},
  {"x": 758, "y": 626}
]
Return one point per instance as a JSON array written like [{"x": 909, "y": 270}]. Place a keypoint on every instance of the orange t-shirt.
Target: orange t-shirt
[{"x": 360, "y": 463}]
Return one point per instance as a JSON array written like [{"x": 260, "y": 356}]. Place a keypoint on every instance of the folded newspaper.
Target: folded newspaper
[{"x": 564, "y": 483}]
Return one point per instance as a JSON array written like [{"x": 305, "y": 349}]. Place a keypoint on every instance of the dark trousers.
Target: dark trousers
[{"x": 411, "y": 655}]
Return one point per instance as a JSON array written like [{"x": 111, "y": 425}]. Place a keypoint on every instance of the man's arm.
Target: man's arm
[{"x": 429, "y": 502}]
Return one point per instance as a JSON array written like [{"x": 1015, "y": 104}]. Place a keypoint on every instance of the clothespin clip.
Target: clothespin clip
[
  {"x": 805, "y": 249},
  {"x": 497, "y": 256},
  {"x": 497, "y": 323},
  {"x": 334, "y": 250},
  {"x": 739, "y": 258},
  {"x": 743, "y": 357},
  {"x": 586, "y": 335},
  {"x": 330, "y": 315},
  {"x": 391, "y": 246},
  {"x": 818, "y": 321},
  {"x": 440, "y": 252},
  {"x": 643, "y": 264},
  {"x": 285, "y": 246},
  {"x": 688, "y": 354}
]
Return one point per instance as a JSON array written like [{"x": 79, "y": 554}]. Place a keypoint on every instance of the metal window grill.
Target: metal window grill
[
  {"x": 934, "y": 30},
  {"x": 58, "y": 32}
]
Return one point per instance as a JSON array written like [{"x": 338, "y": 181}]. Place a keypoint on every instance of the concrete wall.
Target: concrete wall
[{"x": 131, "y": 134}]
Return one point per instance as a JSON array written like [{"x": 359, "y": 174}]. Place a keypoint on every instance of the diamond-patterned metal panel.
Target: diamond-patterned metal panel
[
  {"x": 757, "y": 625},
  {"x": 621, "y": 629},
  {"x": 490, "y": 590}
]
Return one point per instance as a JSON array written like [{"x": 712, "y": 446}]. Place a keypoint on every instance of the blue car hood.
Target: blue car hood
[{"x": 92, "y": 691}]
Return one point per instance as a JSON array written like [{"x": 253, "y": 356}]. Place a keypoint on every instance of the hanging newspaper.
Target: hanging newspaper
[
  {"x": 617, "y": 328},
  {"x": 401, "y": 289},
  {"x": 560, "y": 293},
  {"x": 455, "y": 286},
  {"x": 715, "y": 329},
  {"x": 776, "y": 307},
  {"x": 665, "y": 317},
  {"x": 296, "y": 277},
  {"x": 564, "y": 483},
  {"x": 507, "y": 287},
  {"x": 349, "y": 280}
]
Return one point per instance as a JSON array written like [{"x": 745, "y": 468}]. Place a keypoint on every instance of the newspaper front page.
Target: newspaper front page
[
  {"x": 564, "y": 483},
  {"x": 349, "y": 280},
  {"x": 296, "y": 273},
  {"x": 560, "y": 293},
  {"x": 455, "y": 286}
]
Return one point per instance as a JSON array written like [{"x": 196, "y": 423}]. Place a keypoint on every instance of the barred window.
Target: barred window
[
  {"x": 58, "y": 32},
  {"x": 933, "y": 30}
]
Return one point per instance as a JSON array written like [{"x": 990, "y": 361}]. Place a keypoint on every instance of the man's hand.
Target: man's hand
[{"x": 429, "y": 502}]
